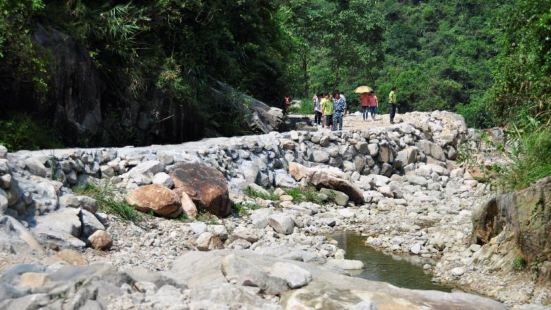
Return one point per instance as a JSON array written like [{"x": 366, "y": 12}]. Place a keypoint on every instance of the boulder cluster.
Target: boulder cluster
[{"x": 241, "y": 221}]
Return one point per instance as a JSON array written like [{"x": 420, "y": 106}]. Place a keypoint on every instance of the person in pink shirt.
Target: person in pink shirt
[{"x": 373, "y": 104}]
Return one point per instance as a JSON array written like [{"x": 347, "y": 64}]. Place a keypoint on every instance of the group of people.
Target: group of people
[
  {"x": 370, "y": 104},
  {"x": 329, "y": 110}
]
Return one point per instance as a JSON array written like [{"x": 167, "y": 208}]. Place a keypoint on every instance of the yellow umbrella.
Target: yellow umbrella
[{"x": 363, "y": 89}]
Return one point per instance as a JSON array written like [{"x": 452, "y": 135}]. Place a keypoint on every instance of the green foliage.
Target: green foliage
[
  {"x": 245, "y": 208},
  {"x": 309, "y": 194},
  {"x": 529, "y": 159},
  {"x": 22, "y": 132},
  {"x": 255, "y": 194},
  {"x": 108, "y": 201},
  {"x": 306, "y": 107},
  {"x": 207, "y": 217},
  {"x": 523, "y": 66},
  {"x": 437, "y": 53},
  {"x": 519, "y": 263},
  {"x": 22, "y": 62}
]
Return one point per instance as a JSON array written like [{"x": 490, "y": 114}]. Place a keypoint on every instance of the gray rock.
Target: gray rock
[
  {"x": 281, "y": 223},
  {"x": 346, "y": 264},
  {"x": 208, "y": 241},
  {"x": 260, "y": 217},
  {"x": 163, "y": 179},
  {"x": 3, "y": 151},
  {"x": 475, "y": 247},
  {"x": 283, "y": 179},
  {"x": 243, "y": 272},
  {"x": 106, "y": 171},
  {"x": 340, "y": 198},
  {"x": 4, "y": 167},
  {"x": 320, "y": 156},
  {"x": 219, "y": 230},
  {"x": 78, "y": 201},
  {"x": 324, "y": 141},
  {"x": 415, "y": 249},
  {"x": 250, "y": 171},
  {"x": 66, "y": 221},
  {"x": 364, "y": 305},
  {"x": 5, "y": 181},
  {"x": 198, "y": 227},
  {"x": 3, "y": 201},
  {"x": 295, "y": 276},
  {"x": 416, "y": 180},
  {"x": 258, "y": 189},
  {"x": 458, "y": 271},
  {"x": 249, "y": 234},
  {"x": 36, "y": 167},
  {"x": 406, "y": 156},
  {"x": 362, "y": 148},
  {"x": 89, "y": 223},
  {"x": 431, "y": 149},
  {"x": 373, "y": 149},
  {"x": 385, "y": 154},
  {"x": 146, "y": 169}
]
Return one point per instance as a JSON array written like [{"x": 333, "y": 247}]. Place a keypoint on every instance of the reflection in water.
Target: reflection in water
[{"x": 382, "y": 267}]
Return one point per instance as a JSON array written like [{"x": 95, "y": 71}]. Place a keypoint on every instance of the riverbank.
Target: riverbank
[{"x": 400, "y": 186}]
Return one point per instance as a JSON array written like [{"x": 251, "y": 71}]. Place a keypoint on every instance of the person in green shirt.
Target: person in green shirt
[
  {"x": 327, "y": 110},
  {"x": 393, "y": 103}
]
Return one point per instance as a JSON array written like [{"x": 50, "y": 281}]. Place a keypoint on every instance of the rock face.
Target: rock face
[
  {"x": 205, "y": 185},
  {"x": 202, "y": 271},
  {"x": 525, "y": 214},
  {"x": 157, "y": 199}
]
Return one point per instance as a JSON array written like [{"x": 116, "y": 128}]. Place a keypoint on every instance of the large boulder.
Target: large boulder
[
  {"x": 525, "y": 214},
  {"x": 157, "y": 199},
  {"x": 205, "y": 185},
  {"x": 325, "y": 178}
]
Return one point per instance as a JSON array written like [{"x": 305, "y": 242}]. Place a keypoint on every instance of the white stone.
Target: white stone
[
  {"x": 295, "y": 276},
  {"x": 346, "y": 264},
  {"x": 163, "y": 179},
  {"x": 458, "y": 271},
  {"x": 415, "y": 249},
  {"x": 281, "y": 223},
  {"x": 198, "y": 227}
]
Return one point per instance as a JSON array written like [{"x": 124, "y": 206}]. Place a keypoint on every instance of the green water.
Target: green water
[{"x": 386, "y": 268}]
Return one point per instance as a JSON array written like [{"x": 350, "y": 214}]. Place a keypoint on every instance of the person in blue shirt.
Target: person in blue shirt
[{"x": 339, "y": 107}]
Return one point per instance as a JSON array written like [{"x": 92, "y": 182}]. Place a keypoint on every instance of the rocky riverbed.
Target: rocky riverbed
[{"x": 272, "y": 200}]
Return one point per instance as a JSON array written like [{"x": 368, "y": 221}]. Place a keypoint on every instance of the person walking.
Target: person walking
[
  {"x": 393, "y": 103},
  {"x": 364, "y": 100},
  {"x": 317, "y": 109},
  {"x": 339, "y": 106},
  {"x": 344, "y": 98},
  {"x": 327, "y": 110},
  {"x": 373, "y": 104}
]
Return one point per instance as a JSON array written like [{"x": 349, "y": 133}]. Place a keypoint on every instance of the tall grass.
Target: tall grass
[
  {"x": 108, "y": 202},
  {"x": 530, "y": 158}
]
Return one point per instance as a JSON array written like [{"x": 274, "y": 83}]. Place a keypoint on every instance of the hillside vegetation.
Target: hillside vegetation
[{"x": 152, "y": 64}]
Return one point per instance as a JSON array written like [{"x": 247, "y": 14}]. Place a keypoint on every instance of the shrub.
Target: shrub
[
  {"x": 530, "y": 159},
  {"x": 519, "y": 263},
  {"x": 108, "y": 202},
  {"x": 22, "y": 132},
  {"x": 255, "y": 194},
  {"x": 244, "y": 208}
]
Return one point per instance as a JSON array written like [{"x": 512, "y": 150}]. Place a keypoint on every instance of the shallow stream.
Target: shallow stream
[{"x": 381, "y": 267}]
